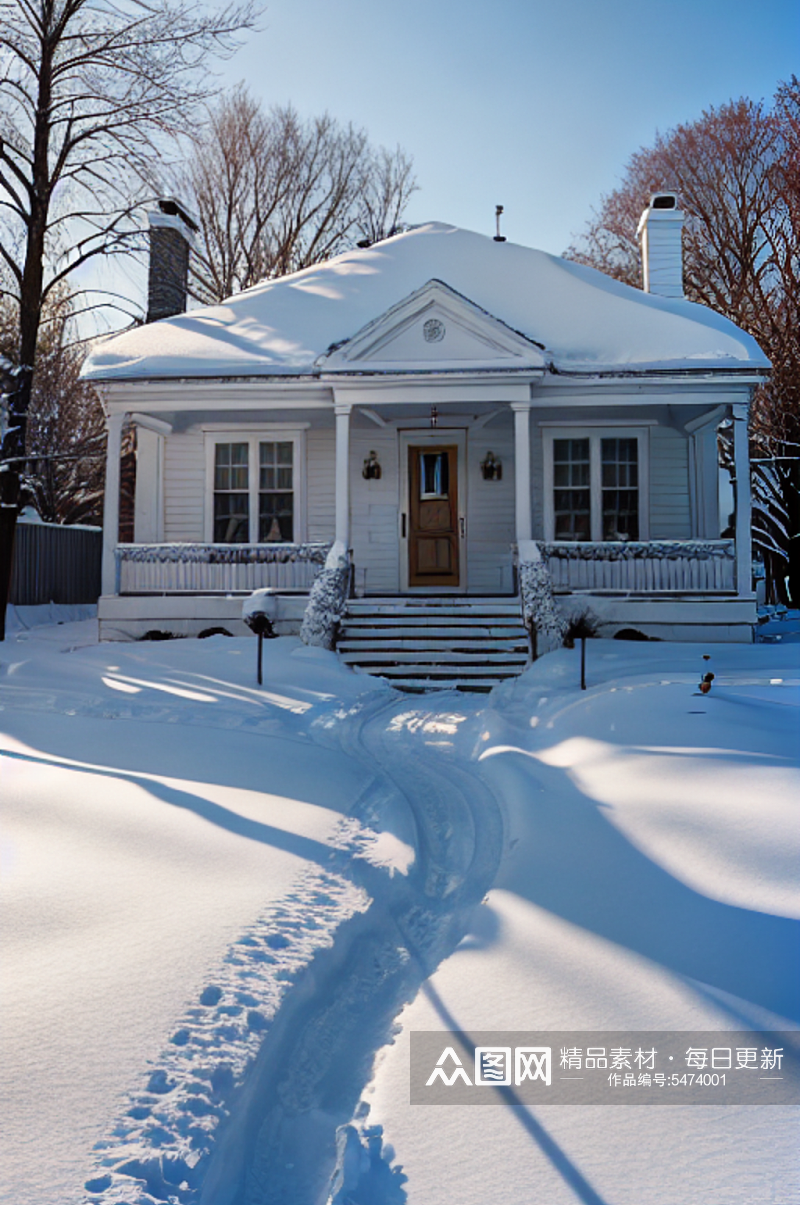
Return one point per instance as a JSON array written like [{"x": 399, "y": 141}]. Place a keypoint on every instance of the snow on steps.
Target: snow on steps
[{"x": 444, "y": 643}]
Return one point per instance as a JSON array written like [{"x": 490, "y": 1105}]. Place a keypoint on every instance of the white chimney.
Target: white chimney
[{"x": 659, "y": 233}]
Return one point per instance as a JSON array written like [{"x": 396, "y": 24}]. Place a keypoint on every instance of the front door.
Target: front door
[{"x": 433, "y": 536}]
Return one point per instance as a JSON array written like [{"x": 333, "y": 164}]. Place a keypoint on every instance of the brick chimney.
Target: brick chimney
[
  {"x": 659, "y": 234},
  {"x": 172, "y": 230}
]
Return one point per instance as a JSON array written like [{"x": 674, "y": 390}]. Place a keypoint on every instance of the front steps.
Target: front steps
[{"x": 445, "y": 643}]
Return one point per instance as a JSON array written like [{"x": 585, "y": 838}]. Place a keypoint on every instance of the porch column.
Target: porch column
[
  {"x": 342, "y": 524},
  {"x": 111, "y": 503},
  {"x": 741, "y": 466},
  {"x": 522, "y": 468},
  {"x": 148, "y": 522}
]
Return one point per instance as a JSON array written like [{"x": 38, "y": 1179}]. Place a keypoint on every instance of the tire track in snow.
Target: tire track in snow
[{"x": 282, "y": 1146}]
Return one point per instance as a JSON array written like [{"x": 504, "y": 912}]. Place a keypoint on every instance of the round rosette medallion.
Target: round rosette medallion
[{"x": 433, "y": 331}]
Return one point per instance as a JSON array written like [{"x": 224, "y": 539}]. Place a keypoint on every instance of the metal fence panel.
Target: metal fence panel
[{"x": 55, "y": 564}]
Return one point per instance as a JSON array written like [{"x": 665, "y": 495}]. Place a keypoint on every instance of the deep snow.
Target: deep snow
[
  {"x": 585, "y": 320},
  {"x": 196, "y": 870}
]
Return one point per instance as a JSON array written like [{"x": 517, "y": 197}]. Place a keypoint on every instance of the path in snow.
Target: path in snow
[{"x": 317, "y": 1058}]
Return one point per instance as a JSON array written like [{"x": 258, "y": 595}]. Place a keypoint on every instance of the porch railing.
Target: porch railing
[
  {"x": 685, "y": 566},
  {"x": 216, "y": 568}
]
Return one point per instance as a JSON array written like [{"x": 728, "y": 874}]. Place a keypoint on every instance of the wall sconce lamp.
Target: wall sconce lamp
[
  {"x": 372, "y": 469},
  {"x": 492, "y": 468}
]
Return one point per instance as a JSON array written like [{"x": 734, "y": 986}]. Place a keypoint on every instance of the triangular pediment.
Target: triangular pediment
[{"x": 434, "y": 329}]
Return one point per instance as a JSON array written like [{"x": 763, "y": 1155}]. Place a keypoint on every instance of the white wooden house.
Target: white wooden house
[{"x": 431, "y": 401}]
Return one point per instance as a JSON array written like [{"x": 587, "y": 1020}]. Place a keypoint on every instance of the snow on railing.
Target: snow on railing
[
  {"x": 689, "y": 566},
  {"x": 217, "y": 568}
]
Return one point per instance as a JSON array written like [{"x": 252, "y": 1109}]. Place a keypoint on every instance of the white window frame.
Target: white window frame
[
  {"x": 223, "y": 433},
  {"x": 595, "y": 435}
]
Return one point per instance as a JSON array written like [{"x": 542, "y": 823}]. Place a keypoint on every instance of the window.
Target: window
[
  {"x": 619, "y": 464},
  {"x": 434, "y": 475},
  {"x": 231, "y": 494},
  {"x": 254, "y": 494},
  {"x": 275, "y": 492},
  {"x": 595, "y": 484},
  {"x": 572, "y": 497}
]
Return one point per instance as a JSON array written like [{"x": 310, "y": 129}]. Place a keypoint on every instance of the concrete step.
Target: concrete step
[
  {"x": 358, "y": 608},
  {"x": 441, "y": 657},
  {"x": 459, "y": 632},
  {"x": 443, "y": 643},
  {"x": 462, "y": 644}
]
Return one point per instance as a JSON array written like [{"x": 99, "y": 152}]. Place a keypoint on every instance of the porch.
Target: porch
[
  {"x": 177, "y": 568},
  {"x": 634, "y": 567},
  {"x": 706, "y": 567},
  {"x": 668, "y": 589},
  {"x": 428, "y": 510}
]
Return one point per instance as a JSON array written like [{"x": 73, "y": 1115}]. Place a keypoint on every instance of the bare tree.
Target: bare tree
[
  {"x": 65, "y": 447},
  {"x": 87, "y": 88},
  {"x": 274, "y": 193},
  {"x": 736, "y": 171},
  {"x": 386, "y": 194}
]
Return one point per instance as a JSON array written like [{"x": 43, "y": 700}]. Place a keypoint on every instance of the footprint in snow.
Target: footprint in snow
[
  {"x": 277, "y": 941},
  {"x": 159, "y": 1083}
]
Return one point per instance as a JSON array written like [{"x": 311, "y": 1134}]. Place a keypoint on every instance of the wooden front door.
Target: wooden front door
[{"x": 433, "y": 543}]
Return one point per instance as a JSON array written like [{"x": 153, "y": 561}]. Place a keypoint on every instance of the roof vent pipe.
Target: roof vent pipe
[
  {"x": 659, "y": 234},
  {"x": 172, "y": 230}
]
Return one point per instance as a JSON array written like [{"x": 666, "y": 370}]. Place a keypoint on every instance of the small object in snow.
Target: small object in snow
[
  {"x": 705, "y": 685},
  {"x": 255, "y": 615}
]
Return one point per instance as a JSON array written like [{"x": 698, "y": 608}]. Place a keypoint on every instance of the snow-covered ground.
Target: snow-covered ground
[{"x": 220, "y": 902}]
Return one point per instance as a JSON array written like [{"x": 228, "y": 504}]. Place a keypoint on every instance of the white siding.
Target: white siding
[
  {"x": 374, "y": 534},
  {"x": 670, "y": 517},
  {"x": 490, "y": 512},
  {"x": 375, "y": 504},
  {"x": 374, "y": 511},
  {"x": 320, "y": 483},
  {"x": 537, "y": 481},
  {"x": 184, "y": 484}
]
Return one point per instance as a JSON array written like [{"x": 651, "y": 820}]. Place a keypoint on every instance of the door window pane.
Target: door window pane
[
  {"x": 434, "y": 475},
  {"x": 620, "y": 488},
  {"x": 231, "y": 498},
  {"x": 572, "y": 493}
]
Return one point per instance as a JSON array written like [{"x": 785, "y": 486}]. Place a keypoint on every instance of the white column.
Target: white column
[
  {"x": 111, "y": 503},
  {"x": 522, "y": 468},
  {"x": 148, "y": 507},
  {"x": 148, "y": 520},
  {"x": 342, "y": 526},
  {"x": 741, "y": 465}
]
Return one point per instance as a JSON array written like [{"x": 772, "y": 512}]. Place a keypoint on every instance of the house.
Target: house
[{"x": 434, "y": 402}]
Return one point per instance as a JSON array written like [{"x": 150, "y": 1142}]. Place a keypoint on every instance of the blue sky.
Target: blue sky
[{"x": 534, "y": 106}]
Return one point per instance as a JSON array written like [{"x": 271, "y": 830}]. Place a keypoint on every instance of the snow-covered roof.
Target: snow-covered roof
[{"x": 586, "y": 321}]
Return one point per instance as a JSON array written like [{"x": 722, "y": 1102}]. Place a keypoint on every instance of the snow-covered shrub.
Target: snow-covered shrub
[
  {"x": 327, "y": 600},
  {"x": 538, "y": 605}
]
